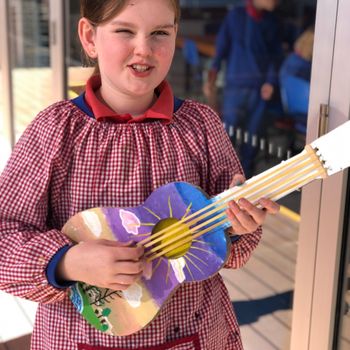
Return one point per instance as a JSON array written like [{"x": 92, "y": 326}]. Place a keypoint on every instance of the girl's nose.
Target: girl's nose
[{"x": 143, "y": 46}]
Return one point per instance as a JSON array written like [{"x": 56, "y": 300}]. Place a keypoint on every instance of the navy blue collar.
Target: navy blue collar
[{"x": 81, "y": 104}]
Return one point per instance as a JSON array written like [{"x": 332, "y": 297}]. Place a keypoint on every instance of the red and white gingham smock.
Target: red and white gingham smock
[{"x": 66, "y": 162}]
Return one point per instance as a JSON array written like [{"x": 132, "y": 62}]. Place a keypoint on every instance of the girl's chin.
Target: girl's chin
[
  {"x": 142, "y": 90},
  {"x": 140, "y": 93}
]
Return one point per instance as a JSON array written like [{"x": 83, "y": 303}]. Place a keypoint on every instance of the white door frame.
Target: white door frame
[
  {"x": 58, "y": 49},
  {"x": 6, "y": 74},
  {"x": 322, "y": 205},
  {"x": 57, "y": 59}
]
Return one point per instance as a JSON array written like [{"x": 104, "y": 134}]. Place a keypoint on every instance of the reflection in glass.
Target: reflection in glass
[
  {"x": 262, "y": 291},
  {"x": 77, "y": 75},
  {"x": 31, "y": 73}
]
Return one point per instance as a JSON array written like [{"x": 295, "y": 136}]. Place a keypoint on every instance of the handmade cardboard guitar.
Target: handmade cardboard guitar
[{"x": 183, "y": 232}]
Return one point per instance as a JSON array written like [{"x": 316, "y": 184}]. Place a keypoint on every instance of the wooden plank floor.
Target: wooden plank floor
[{"x": 262, "y": 290}]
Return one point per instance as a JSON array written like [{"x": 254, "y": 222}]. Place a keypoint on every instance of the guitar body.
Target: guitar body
[{"x": 126, "y": 312}]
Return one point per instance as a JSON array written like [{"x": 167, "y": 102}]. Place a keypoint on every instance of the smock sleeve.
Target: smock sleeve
[
  {"x": 223, "y": 165},
  {"x": 27, "y": 242}
]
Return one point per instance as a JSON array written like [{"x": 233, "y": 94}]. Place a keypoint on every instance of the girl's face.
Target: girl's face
[{"x": 134, "y": 49}]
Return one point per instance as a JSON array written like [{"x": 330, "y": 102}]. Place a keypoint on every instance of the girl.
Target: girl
[{"x": 111, "y": 148}]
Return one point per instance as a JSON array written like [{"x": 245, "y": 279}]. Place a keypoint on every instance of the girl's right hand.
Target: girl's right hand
[{"x": 103, "y": 263}]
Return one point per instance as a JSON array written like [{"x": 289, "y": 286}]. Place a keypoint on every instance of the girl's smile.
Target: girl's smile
[{"x": 141, "y": 70}]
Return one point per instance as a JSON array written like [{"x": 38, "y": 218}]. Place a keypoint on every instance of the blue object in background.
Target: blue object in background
[
  {"x": 295, "y": 98},
  {"x": 190, "y": 52},
  {"x": 295, "y": 95}
]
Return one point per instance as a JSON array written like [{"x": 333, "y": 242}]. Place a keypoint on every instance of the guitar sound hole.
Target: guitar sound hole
[{"x": 180, "y": 230}]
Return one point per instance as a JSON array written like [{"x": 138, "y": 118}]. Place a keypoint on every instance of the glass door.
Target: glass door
[
  {"x": 267, "y": 129},
  {"x": 6, "y": 107},
  {"x": 76, "y": 71},
  {"x": 30, "y": 60}
]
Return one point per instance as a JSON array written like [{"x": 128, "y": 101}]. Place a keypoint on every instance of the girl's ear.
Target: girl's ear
[{"x": 87, "y": 37}]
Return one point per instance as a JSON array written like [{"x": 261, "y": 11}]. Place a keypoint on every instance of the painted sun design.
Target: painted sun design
[{"x": 179, "y": 259}]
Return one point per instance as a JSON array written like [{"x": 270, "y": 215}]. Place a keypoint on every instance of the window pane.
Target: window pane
[{"x": 31, "y": 72}]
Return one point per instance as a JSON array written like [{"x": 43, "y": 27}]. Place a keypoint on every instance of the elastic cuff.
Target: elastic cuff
[
  {"x": 234, "y": 238},
  {"x": 52, "y": 266}
]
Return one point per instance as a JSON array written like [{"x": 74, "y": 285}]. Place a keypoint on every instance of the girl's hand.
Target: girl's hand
[
  {"x": 103, "y": 263},
  {"x": 246, "y": 217}
]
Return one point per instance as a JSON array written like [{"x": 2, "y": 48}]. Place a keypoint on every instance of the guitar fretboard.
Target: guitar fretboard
[{"x": 278, "y": 181}]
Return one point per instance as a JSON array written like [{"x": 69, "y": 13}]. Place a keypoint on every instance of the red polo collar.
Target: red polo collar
[
  {"x": 162, "y": 109},
  {"x": 253, "y": 11}
]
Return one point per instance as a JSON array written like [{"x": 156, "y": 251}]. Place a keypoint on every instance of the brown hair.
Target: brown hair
[
  {"x": 304, "y": 44},
  {"x": 101, "y": 11}
]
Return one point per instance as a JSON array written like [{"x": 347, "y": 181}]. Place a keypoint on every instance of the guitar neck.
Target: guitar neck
[
  {"x": 274, "y": 183},
  {"x": 277, "y": 181}
]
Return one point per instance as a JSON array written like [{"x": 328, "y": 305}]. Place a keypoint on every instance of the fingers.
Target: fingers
[
  {"x": 129, "y": 267},
  {"x": 256, "y": 215},
  {"x": 123, "y": 274},
  {"x": 123, "y": 282},
  {"x": 123, "y": 250},
  {"x": 246, "y": 217},
  {"x": 270, "y": 206},
  {"x": 237, "y": 180},
  {"x": 134, "y": 253}
]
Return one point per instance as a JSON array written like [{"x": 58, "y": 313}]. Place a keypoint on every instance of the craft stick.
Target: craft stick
[
  {"x": 263, "y": 186},
  {"x": 170, "y": 242},
  {"x": 169, "y": 231},
  {"x": 245, "y": 193},
  {"x": 270, "y": 189},
  {"x": 186, "y": 240},
  {"x": 185, "y": 234},
  {"x": 299, "y": 184}
]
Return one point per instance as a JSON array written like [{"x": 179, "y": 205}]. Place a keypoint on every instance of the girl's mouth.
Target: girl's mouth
[{"x": 139, "y": 68}]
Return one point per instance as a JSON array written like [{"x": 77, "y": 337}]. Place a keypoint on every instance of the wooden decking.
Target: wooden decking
[{"x": 261, "y": 291}]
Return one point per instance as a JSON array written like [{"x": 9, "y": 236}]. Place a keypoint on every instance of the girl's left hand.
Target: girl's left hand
[{"x": 246, "y": 217}]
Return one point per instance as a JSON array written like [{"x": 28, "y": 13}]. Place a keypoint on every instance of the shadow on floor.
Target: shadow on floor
[{"x": 249, "y": 311}]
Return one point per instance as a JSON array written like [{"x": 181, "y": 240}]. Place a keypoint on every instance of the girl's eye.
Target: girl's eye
[
  {"x": 160, "y": 32},
  {"x": 124, "y": 31}
]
